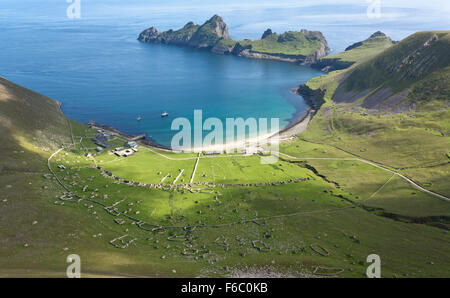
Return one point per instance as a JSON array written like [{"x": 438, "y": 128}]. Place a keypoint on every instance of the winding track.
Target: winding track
[{"x": 415, "y": 185}]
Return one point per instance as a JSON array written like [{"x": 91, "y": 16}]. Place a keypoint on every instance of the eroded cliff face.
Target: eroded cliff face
[
  {"x": 214, "y": 35},
  {"x": 150, "y": 35},
  {"x": 314, "y": 98},
  {"x": 320, "y": 53}
]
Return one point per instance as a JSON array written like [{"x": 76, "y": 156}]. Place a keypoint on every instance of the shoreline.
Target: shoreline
[{"x": 295, "y": 128}]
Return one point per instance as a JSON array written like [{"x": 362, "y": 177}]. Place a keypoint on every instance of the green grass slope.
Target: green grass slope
[
  {"x": 30, "y": 125},
  {"x": 394, "y": 79},
  {"x": 409, "y": 133},
  {"x": 357, "y": 53}
]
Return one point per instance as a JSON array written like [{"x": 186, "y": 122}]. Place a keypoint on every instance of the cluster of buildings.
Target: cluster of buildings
[
  {"x": 101, "y": 140},
  {"x": 130, "y": 149},
  {"x": 103, "y": 137}
]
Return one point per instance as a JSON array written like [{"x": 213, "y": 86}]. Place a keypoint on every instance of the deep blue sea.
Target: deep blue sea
[{"x": 99, "y": 71}]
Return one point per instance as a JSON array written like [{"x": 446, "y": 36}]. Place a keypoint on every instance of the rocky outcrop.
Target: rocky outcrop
[
  {"x": 210, "y": 33},
  {"x": 331, "y": 64},
  {"x": 314, "y": 98},
  {"x": 317, "y": 55},
  {"x": 214, "y": 36},
  {"x": 205, "y": 36},
  {"x": 267, "y": 33},
  {"x": 223, "y": 48}
]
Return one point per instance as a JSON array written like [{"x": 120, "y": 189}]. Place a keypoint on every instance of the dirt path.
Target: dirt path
[{"x": 415, "y": 185}]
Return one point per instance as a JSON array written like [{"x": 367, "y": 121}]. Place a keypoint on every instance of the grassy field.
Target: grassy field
[
  {"x": 147, "y": 167},
  {"x": 246, "y": 169}
]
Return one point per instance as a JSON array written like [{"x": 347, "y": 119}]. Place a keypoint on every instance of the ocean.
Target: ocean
[{"x": 98, "y": 70}]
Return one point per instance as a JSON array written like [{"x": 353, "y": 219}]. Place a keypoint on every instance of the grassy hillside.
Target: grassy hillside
[
  {"x": 30, "y": 126},
  {"x": 408, "y": 133},
  {"x": 388, "y": 79},
  {"x": 404, "y": 63},
  {"x": 357, "y": 53}
]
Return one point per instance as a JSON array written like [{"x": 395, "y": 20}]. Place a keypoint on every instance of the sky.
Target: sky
[
  {"x": 246, "y": 18},
  {"x": 130, "y": 7}
]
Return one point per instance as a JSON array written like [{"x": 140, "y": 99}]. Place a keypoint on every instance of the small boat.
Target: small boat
[
  {"x": 165, "y": 114},
  {"x": 139, "y": 118}
]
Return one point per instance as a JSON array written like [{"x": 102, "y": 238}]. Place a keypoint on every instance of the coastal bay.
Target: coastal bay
[{"x": 112, "y": 79}]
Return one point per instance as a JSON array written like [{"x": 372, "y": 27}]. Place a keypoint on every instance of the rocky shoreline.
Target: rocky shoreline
[
  {"x": 313, "y": 98},
  {"x": 130, "y": 137}
]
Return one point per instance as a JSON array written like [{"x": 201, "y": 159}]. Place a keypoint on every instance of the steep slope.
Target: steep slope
[
  {"x": 304, "y": 47},
  {"x": 30, "y": 125},
  {"x": 356, "y": 53},
  {"x": 33, "y": 230},
  {"x": 391, "y": 109},
  {"x": 394, "y": 80}
]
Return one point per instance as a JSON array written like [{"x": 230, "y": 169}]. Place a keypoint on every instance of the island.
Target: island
[{"x": 301, "y": 47}]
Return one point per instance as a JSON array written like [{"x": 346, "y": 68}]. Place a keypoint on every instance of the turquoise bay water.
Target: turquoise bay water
[
  {"x": 99, "y": 71},
  {"x": 103, "y": 73}
]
